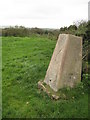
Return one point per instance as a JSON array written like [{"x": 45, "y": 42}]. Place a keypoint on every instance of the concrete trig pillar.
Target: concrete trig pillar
[
  {"x": 65, "y": 66},
  {"x": 66, "y": 63}
]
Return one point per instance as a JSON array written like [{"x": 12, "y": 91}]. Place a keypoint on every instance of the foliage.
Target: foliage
[{"x": 20, "y": 31}]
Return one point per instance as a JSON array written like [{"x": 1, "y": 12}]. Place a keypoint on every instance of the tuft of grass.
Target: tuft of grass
[{"x": 25, "y": 61}]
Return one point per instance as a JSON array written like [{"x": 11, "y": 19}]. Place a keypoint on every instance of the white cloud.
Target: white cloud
[{"x": 42, "y": 13}]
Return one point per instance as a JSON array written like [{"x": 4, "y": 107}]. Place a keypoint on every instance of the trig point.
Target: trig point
[{"x": 66, "y": 63}]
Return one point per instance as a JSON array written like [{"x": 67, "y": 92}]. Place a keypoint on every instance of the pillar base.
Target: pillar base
[{"x": 52, "y": 94}]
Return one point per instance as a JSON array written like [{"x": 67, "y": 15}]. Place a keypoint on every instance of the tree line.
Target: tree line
[{"x": 80, "y": 29}]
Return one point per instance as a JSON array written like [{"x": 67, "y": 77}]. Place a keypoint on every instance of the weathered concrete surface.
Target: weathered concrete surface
[{"x": 66, "y": 63}]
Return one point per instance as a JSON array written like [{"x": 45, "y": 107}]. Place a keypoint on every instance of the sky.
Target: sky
[{"x": 42, "y": 13}]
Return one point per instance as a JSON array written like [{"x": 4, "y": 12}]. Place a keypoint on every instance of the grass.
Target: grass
[
  {"x": 25, "y": 61},
  {"x": 0, "y": 78}
]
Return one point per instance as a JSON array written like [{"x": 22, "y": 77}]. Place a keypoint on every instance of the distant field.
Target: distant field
[{"x": 25, "y": 61}]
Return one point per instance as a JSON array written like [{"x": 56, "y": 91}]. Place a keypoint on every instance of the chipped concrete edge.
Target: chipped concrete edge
[{"x": 42, "y": 87}]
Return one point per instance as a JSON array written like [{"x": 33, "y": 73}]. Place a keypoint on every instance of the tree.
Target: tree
[{"x": 72, "y": 27}]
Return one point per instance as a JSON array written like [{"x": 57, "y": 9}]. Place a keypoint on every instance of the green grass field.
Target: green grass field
[{"x": 25, "y": 61}]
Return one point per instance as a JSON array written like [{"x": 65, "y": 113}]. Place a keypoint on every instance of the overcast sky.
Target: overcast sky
[{"x": 42, "y": 13}]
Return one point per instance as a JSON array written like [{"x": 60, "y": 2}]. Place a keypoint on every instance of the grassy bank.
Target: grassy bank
[{"x": 25, "y": 61}]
